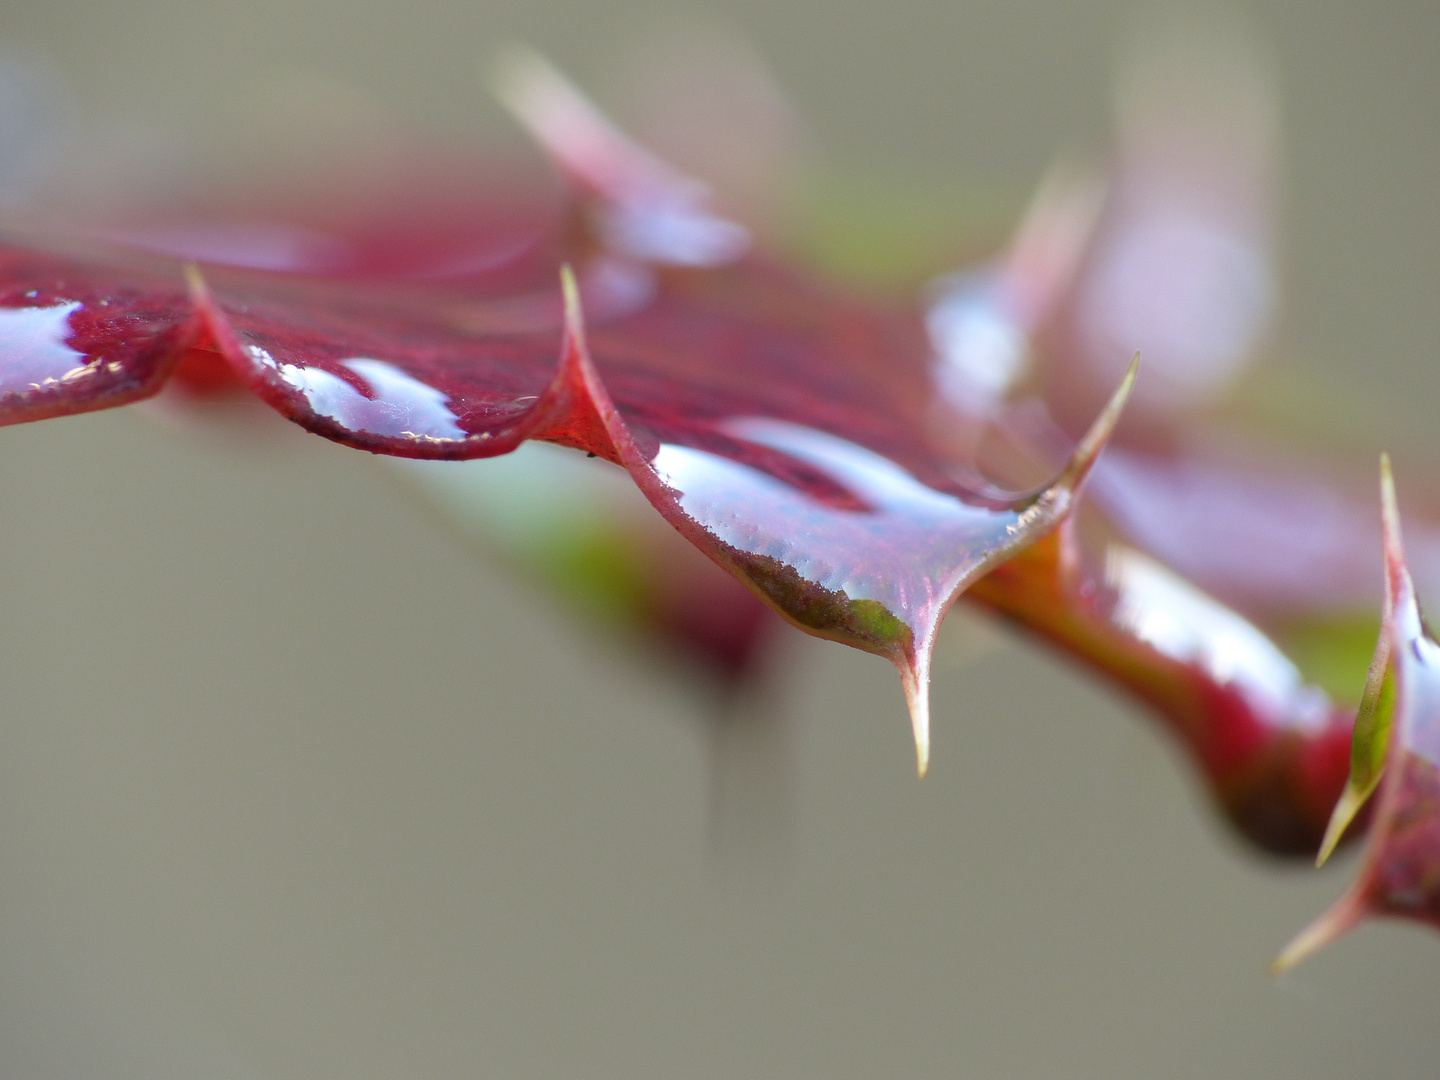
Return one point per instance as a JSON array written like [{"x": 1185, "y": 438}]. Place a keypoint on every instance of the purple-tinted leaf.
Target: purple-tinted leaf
[{"x": 1181, "y": 267}]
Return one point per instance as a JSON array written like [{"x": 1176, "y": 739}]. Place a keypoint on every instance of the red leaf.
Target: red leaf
[
  {"x": 75, "y": 338},
  {"x": 746, "y": 403}
]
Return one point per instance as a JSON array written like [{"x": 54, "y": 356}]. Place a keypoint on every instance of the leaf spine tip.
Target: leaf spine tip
[
  {"x": 195, "y": 282},
  {"x": 1389, "y": 510},
  {"x": 1100, "y": 431},
  {"x": 1346, "y": 807},
  {"x": 1324, "y": 931},
  {"x": 916, "y": 681},
  {"x": 517, "y": 75},
  {"x": 574, "y": 314}
]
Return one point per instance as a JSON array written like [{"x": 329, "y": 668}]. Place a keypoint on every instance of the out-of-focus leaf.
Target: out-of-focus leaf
[
  {"x": 1397, "y": 754},
  {"x": 1334, "y": 653},
  {"x": 1182, "y": 267},
  {"x": 584, "y": 532}
]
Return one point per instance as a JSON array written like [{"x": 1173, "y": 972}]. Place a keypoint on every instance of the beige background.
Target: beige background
[{"x": 293, "y": 787}]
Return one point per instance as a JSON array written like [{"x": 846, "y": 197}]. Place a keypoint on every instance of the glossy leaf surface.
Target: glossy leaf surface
[{"x": 75, "y": 337}]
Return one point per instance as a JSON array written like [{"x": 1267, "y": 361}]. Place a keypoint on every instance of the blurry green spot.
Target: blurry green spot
[
  {"x": 891, "y": 231},
  {"x": 594, "y": 568},
  {"x": 1335, "y": 653}
]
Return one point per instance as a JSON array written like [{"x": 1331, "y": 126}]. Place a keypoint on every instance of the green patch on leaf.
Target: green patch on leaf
[
  {"x": 1368, "y": 748},
  {"x": 864, "y": 623}
]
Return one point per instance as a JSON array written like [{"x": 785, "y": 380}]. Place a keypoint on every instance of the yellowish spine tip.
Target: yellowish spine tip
[
  {"x": 1389, "y": 509},
  {"x": 1101, "y": 430},
  {"x": 915, "y": 678},
  {"x": 920, "y": 723},
  {"x": 570, "y": 291},
  {"x": 1348, "y": 805},
  {"x": 194, "y": 281},
  {"x": 1320, "y": 933}
]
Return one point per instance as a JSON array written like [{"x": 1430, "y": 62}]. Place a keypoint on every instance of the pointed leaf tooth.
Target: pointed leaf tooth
[
  {"x": 648, "y": 210},
  {"x": 1046, "y": 249},
  {"x": 1334, "y": 924},
  {"x": 1046, "y": 510},
  {"x": 212, "y": 319},
  {"x": 1086, "y": 454},
  {"x": 578, "y": 136},
  {"x": 195, "y": 283},
  {"x": 574, "y": 315},
  {"x": 1053, "y": 503},
  {"x": 581, "y": 414},
  {"x": 915, "y": 678},
  {"x": 1351, "y": 801},
  {"x": 1368, "y": 747},
  {"x": 1390, "y": 532}
]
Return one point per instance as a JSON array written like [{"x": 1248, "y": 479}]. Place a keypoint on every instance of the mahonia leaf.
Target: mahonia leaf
[
  {"x": 1400, "y": 875},
  {"x": 746, "y": 403}
]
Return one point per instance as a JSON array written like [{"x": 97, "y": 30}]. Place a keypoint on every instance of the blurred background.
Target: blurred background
[{"x": 294, "y": 786}]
